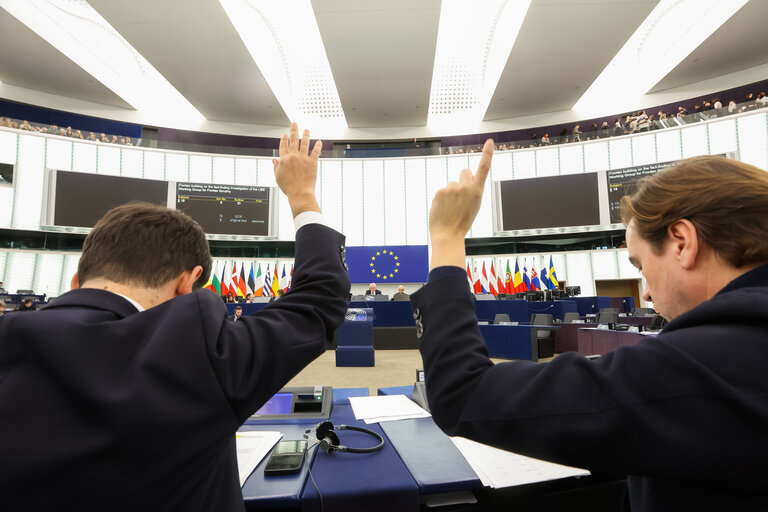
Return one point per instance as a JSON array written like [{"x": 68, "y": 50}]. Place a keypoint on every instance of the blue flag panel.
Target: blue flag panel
[{"x": 388, "y": 264}]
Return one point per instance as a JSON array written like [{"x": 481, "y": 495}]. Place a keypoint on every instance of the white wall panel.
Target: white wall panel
[
  {"x": 501, "y": 166},
  {"x": 483, "y": 225},
  {"x": 47, "y": 277},
  {"x": 753, "y": 146},
  {"x": 416, "y": 201},
  {"x": 546, "y": 162},
  {"x": 644, "y": 149},
  {"x": 28, "y": 183},
  {"x": 525, "y": 164},
  {"x": 58, "y": 154},
  {"x": 352, "y": 183},
  {"x": 437, "y": 177},
  {"x": 108, "y": 160},
  {"x": 265, "y": 172},
  {"x": 668, "y": 146},
  {"x": 68, "y": 271},
  {"x": 246, "y": 172},
  {"x": 8, "y": 147},
  {"x": 329, "y": 189},
  {"x": 201, "y": 169},
  {"x": 454, "y": 164},
  {"x": 176, "y": 167},
  {"x": 604, "y": 265},
  {"x": 626, "y": 269},
  {"x": 722, "y": 137},
  {"x": 84, "y": 157},
  {"x": 373, "y": 212},
  {"x": 132, "y": 164},
  {"x": 3, "y": 261},
  {"x": 394, "y": 192},
  {"x": 621, "y": 153},
  {"x": 571, "y": 158},
  {"x": 154, "y": 165},
  {"x": 579, "y": 269},
  {"x": 223, "y": 169},
  {"x": 595, "y": 156},
  {"x": 20, "y": 270},
  {"x": 694, "y": 140}
]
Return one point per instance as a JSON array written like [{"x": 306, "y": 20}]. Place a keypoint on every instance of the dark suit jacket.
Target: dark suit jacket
[
  {"x": 684, "y": 414},
  {"x": 368, "y": 292},
  {"x": 106, "y": 408}
]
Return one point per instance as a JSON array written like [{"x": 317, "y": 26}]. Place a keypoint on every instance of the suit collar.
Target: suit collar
[{"x": 96, "y": 299}]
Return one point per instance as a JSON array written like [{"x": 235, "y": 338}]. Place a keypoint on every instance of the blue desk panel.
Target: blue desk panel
[
  {"x": 370, "y": 482},
  {"x": 340, "y": 394},
  {"x": 396, "y": 390},
  {"x": 486, "y": 310},
  {"x": 430, "y": 456},
  {"x": 510, "y": 341},
  {"x": 388, "y": 314}
]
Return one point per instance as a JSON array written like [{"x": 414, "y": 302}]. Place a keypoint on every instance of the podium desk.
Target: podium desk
[{"x": 601, "y": 341}]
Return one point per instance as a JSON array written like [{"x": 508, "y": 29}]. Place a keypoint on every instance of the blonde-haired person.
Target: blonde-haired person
[{"x": 685, "y": 414}]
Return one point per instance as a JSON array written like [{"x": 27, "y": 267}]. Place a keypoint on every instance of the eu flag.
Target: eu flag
[{"x": 388, "y": 264}]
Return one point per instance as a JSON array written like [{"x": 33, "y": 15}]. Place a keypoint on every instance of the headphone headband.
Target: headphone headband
[{"x": 328, "y": 439}]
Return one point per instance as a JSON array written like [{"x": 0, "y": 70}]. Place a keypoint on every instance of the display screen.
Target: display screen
[
  {"x": 81, "y": 199},
  {"x": 6, "y": 174},
  {"x": 557, "y": 201},
  {"x": 278, "y": 404},
  {"x": 621, "y": 182},
  {"x": 226, "y": 209}
]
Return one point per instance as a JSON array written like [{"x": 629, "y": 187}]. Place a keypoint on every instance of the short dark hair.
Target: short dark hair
[
  {"x": 144, "y": 244},
  {"x": 238, "y": 307},
  {"x": 726, "y": 200}
]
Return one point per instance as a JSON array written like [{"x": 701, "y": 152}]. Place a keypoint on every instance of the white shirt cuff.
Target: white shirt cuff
[{"x": 305, "y": 218}]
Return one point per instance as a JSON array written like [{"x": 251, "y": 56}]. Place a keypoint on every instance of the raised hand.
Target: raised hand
[
  {"x": 296, "y": 170},
  {"x": 453, "y": 211}
]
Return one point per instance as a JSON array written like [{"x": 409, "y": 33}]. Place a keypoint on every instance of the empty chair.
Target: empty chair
[
  {"x": 545, "y": 338},
  {"x": 25, "y": 292},
  {"x": 607, "y": 317},
  {"x": 570, "y": 317},
  {"x": 643, "y": 312},
  {"x": 500, "y": 317}
]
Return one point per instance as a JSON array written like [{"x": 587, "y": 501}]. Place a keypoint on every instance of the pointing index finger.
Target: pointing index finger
[{"x": 485, "y": 163}]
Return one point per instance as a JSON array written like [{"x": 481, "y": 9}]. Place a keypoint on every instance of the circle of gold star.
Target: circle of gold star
[{"x": 383, "y": 257}]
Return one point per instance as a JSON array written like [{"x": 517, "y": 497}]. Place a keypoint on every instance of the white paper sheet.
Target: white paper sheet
[
  {"x": 252, "y": 447},
  {"x": 498, "y": 468},
  {"x": 374, "y": 409}
]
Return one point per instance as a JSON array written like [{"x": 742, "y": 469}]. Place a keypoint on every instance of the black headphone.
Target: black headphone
[{"x": 328, "y": 440}]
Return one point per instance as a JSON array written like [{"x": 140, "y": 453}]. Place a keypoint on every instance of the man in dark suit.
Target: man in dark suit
[
  {"x": 126, "y": 393},
  {"x": 683, "y": 414},
  {"x": 238, "y": 314},
  {"x": 372, "y": 290}
]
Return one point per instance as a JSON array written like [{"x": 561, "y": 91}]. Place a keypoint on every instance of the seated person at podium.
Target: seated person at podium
[
  {"x": 682, "y": 414},
  {"x": 134, "y": 383},
  {"x": 238, "y": 314},
  {"x": 27, "y": 305},
  {"x": 400, "y": 293},
  {"x": 372, "y": 290}
]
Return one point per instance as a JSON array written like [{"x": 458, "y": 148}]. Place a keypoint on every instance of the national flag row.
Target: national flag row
[
  {"x": 242, "y": 278},
  {"x": 493, "y": 283}
]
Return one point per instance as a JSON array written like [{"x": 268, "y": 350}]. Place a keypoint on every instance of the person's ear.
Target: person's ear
[
  {"x": 187, "y": 279},
  {"x": 686, "y": 242},
  {"x": 74, "y": 284}
]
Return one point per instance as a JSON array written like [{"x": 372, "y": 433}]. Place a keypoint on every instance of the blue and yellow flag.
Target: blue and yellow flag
[
  {"x": 388, "y": 264},
  {"x": 552, "y": 275}
]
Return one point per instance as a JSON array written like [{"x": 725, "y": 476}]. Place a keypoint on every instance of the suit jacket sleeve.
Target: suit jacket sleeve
[
  {"x": 638, "y": 410},
  {"x": 257, "y": 355}
]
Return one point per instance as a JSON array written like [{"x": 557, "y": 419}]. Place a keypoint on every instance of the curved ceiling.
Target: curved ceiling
[{"x": 381, "y": 55}]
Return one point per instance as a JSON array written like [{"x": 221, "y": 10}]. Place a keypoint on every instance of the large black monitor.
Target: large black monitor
[{"x": 78, "y": 199}]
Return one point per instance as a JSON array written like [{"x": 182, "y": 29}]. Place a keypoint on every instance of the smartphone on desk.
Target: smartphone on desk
[{"x": 286, "y": 458}]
